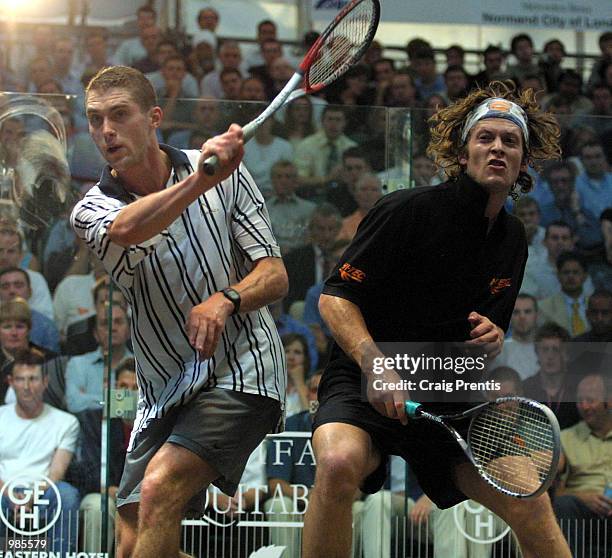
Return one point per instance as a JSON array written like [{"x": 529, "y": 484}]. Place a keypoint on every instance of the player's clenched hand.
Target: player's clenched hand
[
  {"x": 382, "y": 391},
  {"x": 229, "y": 149},
  {"x": 485, "y": 334},
  {"x": 206, "y": 322},
  {"x": 420, "y": 511}
]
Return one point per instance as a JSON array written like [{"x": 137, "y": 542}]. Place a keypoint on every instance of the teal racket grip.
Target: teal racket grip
[{"x": 412, "y": 408}]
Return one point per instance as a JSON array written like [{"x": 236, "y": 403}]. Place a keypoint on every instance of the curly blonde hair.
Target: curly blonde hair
[{"x": 446, "y": 146}]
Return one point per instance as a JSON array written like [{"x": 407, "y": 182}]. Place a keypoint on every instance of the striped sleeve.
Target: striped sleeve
[
  {"x": 91, "y": 219},
  {"x": 251, "y": 225}
]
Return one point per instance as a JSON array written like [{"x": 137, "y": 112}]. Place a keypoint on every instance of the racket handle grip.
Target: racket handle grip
[
  {"x": 211, "y": 165},
  {"x": 412, "y": 408}
]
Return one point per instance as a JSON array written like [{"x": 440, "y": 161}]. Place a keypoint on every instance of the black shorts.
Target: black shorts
[{"x": 431, "y": 452}]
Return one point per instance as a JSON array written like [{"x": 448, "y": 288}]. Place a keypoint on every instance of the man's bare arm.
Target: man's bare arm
[
  {"x": 143, "y": 219},
  {"x": 59, "y": 464}
]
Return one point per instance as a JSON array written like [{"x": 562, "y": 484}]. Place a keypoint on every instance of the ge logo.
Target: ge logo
[
  {"x": 24, "y": 496},
  {"x": 477, "y": 524}
]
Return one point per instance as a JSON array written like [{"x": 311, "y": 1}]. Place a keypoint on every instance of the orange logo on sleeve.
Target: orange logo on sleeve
[
  {"x": 350, "y": 273},
  {"x": 496, "y": 286}
]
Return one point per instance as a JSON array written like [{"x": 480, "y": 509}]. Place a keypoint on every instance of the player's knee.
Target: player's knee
[
  {"x": 341, "y": 471},
  {"x": 526, "y": 515},
  {"x": 157, "y": 495}
]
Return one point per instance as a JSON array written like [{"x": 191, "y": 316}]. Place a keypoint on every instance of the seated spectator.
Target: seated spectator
[
  {"x": 80, "y": 335},
  {"x": 565, "y": 205},
  {"x": 38, "y": 440},
  {"x": 599, "y": 316},
  {"x": 356, "y": 162},
  {"x": 382, "y": 72},
  {"x": 537, "y": 84},
  {"x": 605, "y": 46},
  {"x": 15, "y": 326},
  {"x": 131, "y": 50},
  {"x": 313, "y": 262},
  {"x": 521, "y": 47},
  {"x": 457, "y": 83},
  {"x": 583, "y": 494},
  {"x": 177, "y": 112},
  {"x": 201, "y": 59},
  {"x": 598, "y": 118},
  {"x": 266, "y": 30},
  {"x": 552, "y": 384},
  {"x": 271, "y": 49},
  {"x": 289, "y": 214},
  {"x": 65, "y": 70},
  {"x": 455, "y": 56},
  {"x": 281, "y": 71},
  {"x": 11, "y": 255},
  {"x": 231, "y": 84},
  {"x": 401, "y": 91},
  {"x": 230, "y": 57},
  {"x": 428, "y": 82},
  {"x": 298, "y": 121},
  {"x": 96, "y": 47},
  {"x": 568, "y": 307},
  {"x": 252, "y": 89},
  {"x": 518, "y": 351},
  {"x": 528, "y": 211},
  {"x": 15, "y": 283},
  {"x": 570, "y": 93},
  {"x": 91, "y": 457},
  {"x": 368, "y": 190},
  {"x": 207, "y": 120},
  {"x": 208, "y": 19},
  {"x": 298, "y": 369},
  {"x": 40, "y": 71},
  {"x": 594, "y": 185},
  {"x": 263, "y": 151},
  {"x": 600, "y": 268},
  {"x": 190, "y": 87},
  {"x": 550, "y": 63},
  {"x": 150, "y": 38},
  {"x": 85, "y": 373},
  {"x": 424, "y": 170},
  {"x": 493, "y": 58},
  {"x": 72, "y": 299},
  {"x": 318, "y": 157},
  {"x": 286, "y": 324},
  {"x": 541, "y": 275}
]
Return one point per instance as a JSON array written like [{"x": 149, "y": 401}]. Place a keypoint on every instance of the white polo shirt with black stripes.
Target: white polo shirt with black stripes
[{"x": 213, "y": 244}]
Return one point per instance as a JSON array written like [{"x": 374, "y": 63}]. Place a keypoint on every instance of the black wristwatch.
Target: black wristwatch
[{"x": 234, "y": 297}]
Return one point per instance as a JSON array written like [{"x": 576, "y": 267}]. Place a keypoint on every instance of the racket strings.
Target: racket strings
[
  {"x": 513, "y": 445},
  {"x": 344, "y": 45}
]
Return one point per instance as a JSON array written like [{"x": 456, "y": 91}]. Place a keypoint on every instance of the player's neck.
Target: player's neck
[{"x": 155, "y": 169}]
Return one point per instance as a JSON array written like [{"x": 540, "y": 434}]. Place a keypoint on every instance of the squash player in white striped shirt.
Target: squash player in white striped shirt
[{"x": 196, "y": 259}]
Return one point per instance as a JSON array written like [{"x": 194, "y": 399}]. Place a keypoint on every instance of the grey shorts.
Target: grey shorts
[{"x": 221, "y": 426}]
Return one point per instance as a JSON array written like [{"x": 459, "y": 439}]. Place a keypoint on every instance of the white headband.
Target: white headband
[{"x": 497, "y": 108}]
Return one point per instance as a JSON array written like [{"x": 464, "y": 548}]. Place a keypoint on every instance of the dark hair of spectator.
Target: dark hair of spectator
[
  {"x": 128, "y": 364},
  {"x": 554, "y": 42},
  {"x": 124, "y": 77},
  {"x": 555, "y": 166},
  {"x": 356, "y": 152},
  {"x": 492, "y": 49},
  {"x": 551, "y": 330},
  {"x": 570, "y": 75},
  {"x": 517, "y": 39},
  {"x": 415, "y": 45},
  {"x": 604, "y": 38},
  {"x": 558, "y": 223},
  {"x": 28, "y": 357},
  {"x": 146, "y": 9},
  {"x": 446, "y": 125},
  {"x": 571, "y": 256},
  {"x": 455, "y": 68},
  {"x": 23, "y": 272},
  {"x": 606, "y": 214}
]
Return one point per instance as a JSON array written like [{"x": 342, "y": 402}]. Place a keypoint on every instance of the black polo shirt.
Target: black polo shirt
[{"x": 422, "y": 260}]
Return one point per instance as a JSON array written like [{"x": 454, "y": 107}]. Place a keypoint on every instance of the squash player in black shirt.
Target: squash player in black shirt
[{"x": 441, "y": 263}]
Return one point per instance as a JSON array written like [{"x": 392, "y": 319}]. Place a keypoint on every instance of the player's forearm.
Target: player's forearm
[
  {"x": 266, "y": 284},
  {"x": 348, "y": 327},
  {"x": 143, "y": 219}
]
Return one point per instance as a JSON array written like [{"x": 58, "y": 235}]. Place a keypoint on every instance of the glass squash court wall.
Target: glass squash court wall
[{"x": 47, "y": 162}]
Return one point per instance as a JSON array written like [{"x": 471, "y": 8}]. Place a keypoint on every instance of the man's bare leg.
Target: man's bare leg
[
  {"x": 172, "y": 478},
  {"x": 126, "y": 529},
  {"x": 533, "y": 521},
  {"x": 345, "y": 456}
]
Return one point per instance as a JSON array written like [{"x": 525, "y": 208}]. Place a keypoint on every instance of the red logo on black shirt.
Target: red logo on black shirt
[
  {"x": 350, "y": 273},
  {"x": 496, "y": 286}
]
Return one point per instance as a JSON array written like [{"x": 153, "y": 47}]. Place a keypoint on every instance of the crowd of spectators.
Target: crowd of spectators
[{"x": 322, "y": 163}]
